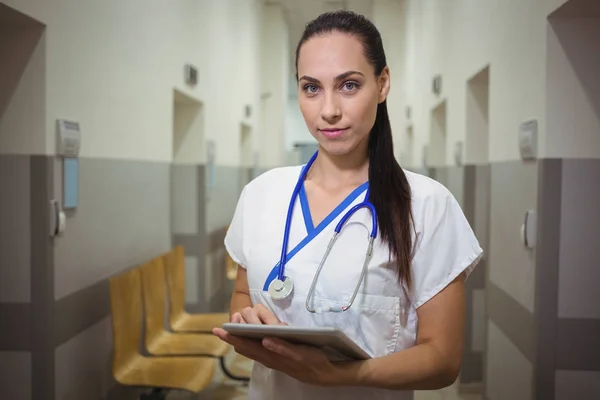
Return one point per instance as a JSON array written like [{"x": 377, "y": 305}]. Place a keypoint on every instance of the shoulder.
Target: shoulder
[
  {"x": 445, "y": 245},
  {"x": 428, "y": 195}
]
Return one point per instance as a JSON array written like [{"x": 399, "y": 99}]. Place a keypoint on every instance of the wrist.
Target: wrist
[{"x": 349, "y": 373}]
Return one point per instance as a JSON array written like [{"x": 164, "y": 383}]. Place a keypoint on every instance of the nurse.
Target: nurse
[{"x": 408, "y": 309}]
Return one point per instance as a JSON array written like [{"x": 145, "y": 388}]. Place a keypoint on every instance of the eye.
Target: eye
[
  {"x": 350, "y": 86},
  {"x": 310, "y": 89}
]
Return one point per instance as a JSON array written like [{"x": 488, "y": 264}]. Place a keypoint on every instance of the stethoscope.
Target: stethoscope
[{"x": 282, "y": 286}]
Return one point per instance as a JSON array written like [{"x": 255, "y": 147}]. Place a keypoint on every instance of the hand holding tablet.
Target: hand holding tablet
[{"x": 333, "y": 341}]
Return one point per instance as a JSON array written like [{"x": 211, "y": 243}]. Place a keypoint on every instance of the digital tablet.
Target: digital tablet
[{"x": 333, "y": 341}]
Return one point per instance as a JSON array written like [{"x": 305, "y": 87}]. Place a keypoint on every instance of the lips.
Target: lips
[{"x": 333, "y": 132}]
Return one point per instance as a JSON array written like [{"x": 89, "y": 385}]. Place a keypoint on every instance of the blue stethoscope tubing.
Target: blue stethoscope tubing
[{"x": 282, "y": 286}]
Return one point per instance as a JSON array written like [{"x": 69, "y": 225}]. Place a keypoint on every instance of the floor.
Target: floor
[{"x": 225, "y": 389}]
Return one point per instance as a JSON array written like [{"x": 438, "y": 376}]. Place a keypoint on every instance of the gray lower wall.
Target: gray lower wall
[
  {"x": 202, "y": 204},
  {"x": 567, "y": 304},
  {"x": 15, "y": 232},
  {"x": 54, "y": 303},
  {"x": 470, "y": 186},
  {"x": 510, "y": 286},
  {"x": 15, "y": 374},
  {"x": 538, "y": 330},
  {"x": 122, "y": 220},
  {"x": 541, "y": 321}
]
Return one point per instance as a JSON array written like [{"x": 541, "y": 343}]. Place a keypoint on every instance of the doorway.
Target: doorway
[
  {"x": 573, "y": 93},
  {"x": 476, "y": 203},
  {"x": 246, "y": 147},
  {"x": 437, "y": 136},
  {"x": 188, "y": 129},
  {"x": 22, "y": 84},
  {"x": 477, "y": 128},
  {"x": 247, "y": 159}
]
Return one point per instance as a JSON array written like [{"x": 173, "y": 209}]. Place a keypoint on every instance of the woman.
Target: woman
[{"x": 409, "y": 311}]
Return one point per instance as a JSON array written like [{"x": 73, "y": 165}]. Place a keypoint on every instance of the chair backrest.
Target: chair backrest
[
  {"x": 126, "y": 312},
  {"x": 175, "y": 271},
  {"x": 153, "y": 289}
]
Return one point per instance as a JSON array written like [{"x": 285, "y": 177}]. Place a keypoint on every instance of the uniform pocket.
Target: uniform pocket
[{"x": 373, "y": 322}]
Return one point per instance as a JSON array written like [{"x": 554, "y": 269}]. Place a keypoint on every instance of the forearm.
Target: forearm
[
  {"x": 422, "y": 367},
  {"x": 239, "y": 301}
]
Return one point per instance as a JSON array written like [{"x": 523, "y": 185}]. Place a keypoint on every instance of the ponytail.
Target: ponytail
[{"x": 390, "y": 193}]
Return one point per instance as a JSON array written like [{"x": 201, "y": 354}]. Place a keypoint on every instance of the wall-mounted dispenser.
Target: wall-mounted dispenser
[
  {"x": 529, "y": 230},
  {"x": 458, "y": 153},
  {"x": 436, "y": 84},
  {"x": 68, "y": 138},
  {"x": 190, "y": 74},
  {"x": 528, "y": 135},
  {"x": 68, "y": 146}
]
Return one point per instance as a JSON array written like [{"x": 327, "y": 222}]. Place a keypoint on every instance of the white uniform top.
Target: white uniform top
[{"x": 383, "y": 318}]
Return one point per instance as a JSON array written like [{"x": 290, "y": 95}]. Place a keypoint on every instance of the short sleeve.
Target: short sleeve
[
  {"x": 445, "y": 248},
  {"x": 234, "y": 243}
]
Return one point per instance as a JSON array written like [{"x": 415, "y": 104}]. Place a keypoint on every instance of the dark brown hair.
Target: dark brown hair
[{"x": 389, "y": 189}]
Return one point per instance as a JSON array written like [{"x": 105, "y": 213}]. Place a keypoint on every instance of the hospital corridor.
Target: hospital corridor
[{"x": 410, "y": 185}]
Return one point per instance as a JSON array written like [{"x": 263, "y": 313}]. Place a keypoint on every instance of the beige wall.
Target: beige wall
[
  {"x": 117, "y": 77},
  {"x": 459, "y": 38}
]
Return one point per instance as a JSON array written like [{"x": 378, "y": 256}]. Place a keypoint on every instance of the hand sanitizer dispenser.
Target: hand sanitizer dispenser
[
  {"x": 528, "y": 136},
  {"x": 68, "y": 138}
]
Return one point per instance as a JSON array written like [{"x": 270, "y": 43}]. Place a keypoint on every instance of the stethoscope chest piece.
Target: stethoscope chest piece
[{"x": 279, "y": 289}]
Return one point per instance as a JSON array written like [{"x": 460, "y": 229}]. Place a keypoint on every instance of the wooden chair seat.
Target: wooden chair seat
[
  {"x": 179, "y": 319},
  {"x": 167, "y": 343},
  {"x": 186, "y": 322},
  {"x": 130, "y": 367},
  {"x": 159, "y": 341}
]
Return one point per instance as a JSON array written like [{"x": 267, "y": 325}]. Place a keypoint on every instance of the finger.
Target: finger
[
  {"x": 282, "y": 348},
  {"x": 237, "y": 318},
  {"x": 251, "y": 348},
  {"x": 250, "y": 316},
  {"x": 266, "y": 316}
]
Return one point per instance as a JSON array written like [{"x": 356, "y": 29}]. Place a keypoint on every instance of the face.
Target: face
[{"x": 338, "y": 92}]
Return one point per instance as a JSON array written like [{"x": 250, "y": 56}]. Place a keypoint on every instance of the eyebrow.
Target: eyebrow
[{"x": 337, "y": 78}]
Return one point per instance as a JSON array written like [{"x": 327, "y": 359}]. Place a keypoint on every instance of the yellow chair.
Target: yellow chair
[
  {"x": 161, "y": 342},
  {"x": 130, "y": 367},
  {"x": 179, "y": 319}
]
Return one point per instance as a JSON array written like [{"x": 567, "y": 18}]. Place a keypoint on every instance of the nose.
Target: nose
[{"x": 330, "y": 112}]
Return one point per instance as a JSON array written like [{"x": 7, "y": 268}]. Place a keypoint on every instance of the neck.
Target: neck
[{"x": 350, "y": 169}]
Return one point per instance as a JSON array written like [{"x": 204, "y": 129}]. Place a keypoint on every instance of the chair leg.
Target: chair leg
[
  {"x": 229, "y": 374},
  {"x": 155, "y": 394}
]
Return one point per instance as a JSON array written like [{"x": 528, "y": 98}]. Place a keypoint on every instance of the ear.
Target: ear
[{"x": 384, "y": 84}]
